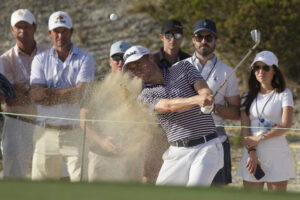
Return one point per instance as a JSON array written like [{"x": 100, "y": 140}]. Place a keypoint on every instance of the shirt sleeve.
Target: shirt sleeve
[
  {"x": 193, "y": 75},
  {"x": 150, "y": 98},
  {"x": 287, "y": 98},
  {"x": 87, "y": 69},
  {"x": 37, "y": 75}
]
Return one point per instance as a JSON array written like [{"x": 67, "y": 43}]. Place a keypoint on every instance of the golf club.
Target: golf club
[{"x": 255, "y": 34}]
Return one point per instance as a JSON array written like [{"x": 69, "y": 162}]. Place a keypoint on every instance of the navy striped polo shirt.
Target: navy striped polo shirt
[{"x": 179, "y": 81}]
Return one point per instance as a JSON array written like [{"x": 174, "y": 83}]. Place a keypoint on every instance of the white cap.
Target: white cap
[
  {"x": 134, "y": 53},
  {"x": 267, "y": 57},
  {"x": 59, "y": 19},
  {"x": 119, "y": 47},
  {"x": 22, "y": 15}
]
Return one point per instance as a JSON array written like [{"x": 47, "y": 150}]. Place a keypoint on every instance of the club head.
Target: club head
[{"x": 255, "y": 34}]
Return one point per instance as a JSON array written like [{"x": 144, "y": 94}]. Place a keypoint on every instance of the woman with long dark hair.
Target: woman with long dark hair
[{"x": 267, "y": 108}]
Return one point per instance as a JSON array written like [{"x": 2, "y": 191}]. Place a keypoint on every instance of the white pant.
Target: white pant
[
  {"x": 17, "y": 147},
  {"x": 193, "y": 166},
  {"x": 53, "y": 146}
]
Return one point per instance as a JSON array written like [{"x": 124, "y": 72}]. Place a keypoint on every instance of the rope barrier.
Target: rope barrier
[
  {"x": 227, "y": 127},
  {"x": 291, "y": 131}
]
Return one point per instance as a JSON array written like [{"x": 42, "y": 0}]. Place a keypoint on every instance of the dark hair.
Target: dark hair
[{"x": 278, "y": 83}]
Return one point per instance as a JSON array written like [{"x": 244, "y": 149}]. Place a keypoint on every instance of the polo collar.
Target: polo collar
[
  {"x": 210, "y": 63},
  {"x": 73, "y": 50}
]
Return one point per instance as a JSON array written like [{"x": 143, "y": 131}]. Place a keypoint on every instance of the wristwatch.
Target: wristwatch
[{"x": 262, "y": 137}]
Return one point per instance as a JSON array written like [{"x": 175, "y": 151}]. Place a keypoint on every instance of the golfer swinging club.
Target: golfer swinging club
[{"x": 195, "y": 154}]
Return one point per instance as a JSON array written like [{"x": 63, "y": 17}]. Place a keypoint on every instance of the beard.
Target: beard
[{"x": 206, "y": 51}]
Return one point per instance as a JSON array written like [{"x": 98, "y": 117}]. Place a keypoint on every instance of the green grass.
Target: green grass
[{"x": 23, "y": 190}]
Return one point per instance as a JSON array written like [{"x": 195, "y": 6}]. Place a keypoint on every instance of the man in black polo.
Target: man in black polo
[{"x": 172, "y": 36}]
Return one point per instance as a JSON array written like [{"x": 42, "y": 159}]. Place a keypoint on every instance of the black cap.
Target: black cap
[
  {"x": 171, "y": 24},
  {"x": 205, "y": 24}
]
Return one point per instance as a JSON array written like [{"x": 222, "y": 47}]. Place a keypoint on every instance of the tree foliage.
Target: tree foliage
[{"x": 278, "y": 22}]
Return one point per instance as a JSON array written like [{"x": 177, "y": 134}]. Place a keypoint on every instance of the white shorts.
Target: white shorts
[
  {"x": 276, "y": 161},
  {"x": 192, "y": 166}
]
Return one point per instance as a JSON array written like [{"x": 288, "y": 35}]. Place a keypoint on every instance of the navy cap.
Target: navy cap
[
  {"x": 171, "y": 24},
  {"x": 205, "y": 24}
]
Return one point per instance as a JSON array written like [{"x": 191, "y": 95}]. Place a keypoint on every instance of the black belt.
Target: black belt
[{"x": 191, "y": 143}]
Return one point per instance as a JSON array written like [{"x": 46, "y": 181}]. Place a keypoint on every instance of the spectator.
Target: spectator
[
  {"x": 58, "y": 79},
  {"x": 267, "y": 107}
]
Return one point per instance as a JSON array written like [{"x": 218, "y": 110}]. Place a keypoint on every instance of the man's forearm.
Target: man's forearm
[
  {"x": 176, "y": 104},
  {"x": 69, "y": 95},
  {"x": 22, "y": 97},
  {"x": 45, "y": 96}
]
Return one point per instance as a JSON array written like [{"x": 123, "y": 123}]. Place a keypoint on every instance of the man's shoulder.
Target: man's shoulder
[
  {"x": 43, "y": 53},
  {"x": 82, "y": 52},
  {"x": 224, "y": 67},
  {"x": 183, "y": 64},
  {"x": 183, "y": 55},
  {"x": 7, "y": 55},
  {"x": 157, "y": 57}
]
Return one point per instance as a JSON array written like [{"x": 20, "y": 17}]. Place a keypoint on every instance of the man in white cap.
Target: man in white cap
[
  {"x": 176, "y": 95},
  {"x": 116, "y": 53},
  {"x": 58, "y": 79},
  {"x": 17, "y": 133}
]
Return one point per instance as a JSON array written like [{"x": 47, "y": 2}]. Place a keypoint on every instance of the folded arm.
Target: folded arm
[{"x": 44, "y": 96}]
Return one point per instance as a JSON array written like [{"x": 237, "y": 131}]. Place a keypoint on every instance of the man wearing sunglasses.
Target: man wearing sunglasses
[
  {"x": 117, "y": 51},
  {"x": 227, "y": 101},
  {"x": 172, "y": 37}
]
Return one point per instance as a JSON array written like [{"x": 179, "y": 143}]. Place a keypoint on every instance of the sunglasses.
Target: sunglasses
[
  {"x": 117, "y": 58},
  {"x": 207, "y": 38},
  {"x": 174, "y": 35},
  {"x": 266, "y": 68}
]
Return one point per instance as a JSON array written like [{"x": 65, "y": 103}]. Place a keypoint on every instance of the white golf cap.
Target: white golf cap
[
  {"x": 119, "y": 47},
  {"x": 59, "y": 19},
  {"x": 134, "y": 53},
  {"x": 267, "y": 57},
  {"x": 22, "y": 15}
]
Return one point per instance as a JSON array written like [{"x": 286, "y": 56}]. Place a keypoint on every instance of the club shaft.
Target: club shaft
[{"x": 235, "y": 68}]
